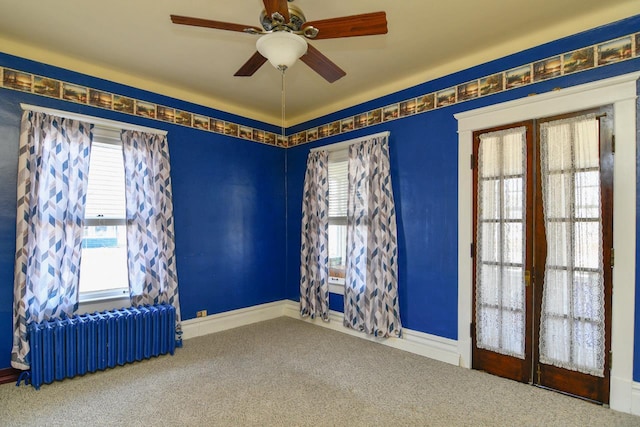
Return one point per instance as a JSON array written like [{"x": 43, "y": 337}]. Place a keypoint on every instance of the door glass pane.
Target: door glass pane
[
  {"x": 512, "y": 145},
  {"x": 513, "y": 202},
  {"x": 513, "y": 243},
  {"x": 587, "y": 237},
  {"x": 488, "y": 294},
  {"x": 512, "y": 331},
  {"x": 490, "y": 157},
  {"x": 490, "y": 249},
  {"x": 556, "y": 294},
  {"x": 587, "y": 334},
  {"x": 587, "y": 194},
  {"x": 489, "y": 329},
  {"x": 588, "y": 301},
  {"x": 586, "y": 147},
  {"x": 558, "y": 246},
  {"x": 560, "y": 209},
  {"x": 490, "y": 203},
  {"x": 558, "y": 327},
  {"x": 511, "y": 284}
]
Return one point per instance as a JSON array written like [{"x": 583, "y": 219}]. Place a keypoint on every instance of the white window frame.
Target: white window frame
[
  {"x": 99, "y": 302},
  {"x": 619, "y": 91},
  {"x": 336, "y": 286}
]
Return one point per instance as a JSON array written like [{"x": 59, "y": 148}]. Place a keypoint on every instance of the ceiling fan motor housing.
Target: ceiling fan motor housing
[{"x": 271, "y": 23}]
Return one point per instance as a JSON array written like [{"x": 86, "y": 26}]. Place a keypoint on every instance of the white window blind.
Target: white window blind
[
  {"x": 338, "y": 185},
  {"x": 105, "y": 193}
]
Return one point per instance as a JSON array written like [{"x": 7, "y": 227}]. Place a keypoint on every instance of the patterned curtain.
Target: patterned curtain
[
  {"x": 371, "y": 289},
  {"x": 150, "y": 235},
  {"x": 314, "y": 254},
  {"x": 53, "y": 167}
]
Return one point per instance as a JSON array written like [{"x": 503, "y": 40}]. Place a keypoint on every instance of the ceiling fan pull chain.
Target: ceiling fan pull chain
[{"x": 283, "y": 99}]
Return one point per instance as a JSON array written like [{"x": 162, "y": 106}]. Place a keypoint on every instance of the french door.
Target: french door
[{"x": 543, "y": 202}]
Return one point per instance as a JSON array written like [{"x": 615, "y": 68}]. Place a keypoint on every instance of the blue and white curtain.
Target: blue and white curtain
[
  {"x": 150, "y": 230},
  {"x": 314, "y": 254},
  {"x": 53, "y": 166},
  {"x": 371, "y": 288}
]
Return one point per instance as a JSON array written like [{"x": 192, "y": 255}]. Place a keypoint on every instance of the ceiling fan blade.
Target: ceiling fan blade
[
  {"x": 251, "y": 66},
  {"x": 280, "y": 6},
  {"x": 199, "y": 22},
  {"x": 322, "y": 65},
  {"x": 366, "y": 24}
]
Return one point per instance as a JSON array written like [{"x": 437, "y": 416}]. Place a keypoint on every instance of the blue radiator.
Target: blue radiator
[{"x": 64, "y": 348}]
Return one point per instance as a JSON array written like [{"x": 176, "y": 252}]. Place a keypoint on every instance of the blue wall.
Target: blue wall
[
  {"x": 228, "y": 197},
  {"x": 424, "y": 170}
]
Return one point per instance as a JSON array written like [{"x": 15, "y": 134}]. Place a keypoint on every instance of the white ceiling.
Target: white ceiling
[{"x": 135, "y": 43}]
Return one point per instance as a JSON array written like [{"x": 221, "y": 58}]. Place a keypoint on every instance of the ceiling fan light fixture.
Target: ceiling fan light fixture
[{"x": 282, "y": 48}]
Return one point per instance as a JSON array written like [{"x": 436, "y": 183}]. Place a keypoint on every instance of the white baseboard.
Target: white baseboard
[
  {"x": 231, "y": 319},
  {"x": 635, "y": 398}
]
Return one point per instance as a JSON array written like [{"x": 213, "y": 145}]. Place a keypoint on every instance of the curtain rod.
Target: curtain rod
[
  {"x": 343, "y": 144},
  {"x": 91, "y": 119}
]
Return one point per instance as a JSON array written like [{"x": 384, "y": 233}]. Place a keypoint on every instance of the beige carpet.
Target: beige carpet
[{"x": 285, "y": 372}]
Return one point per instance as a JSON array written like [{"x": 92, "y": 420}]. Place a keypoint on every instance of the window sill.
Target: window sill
[
  {"x": 96, "y": 296},
  {"x": 336, "y": 286},
  {"x": 103, "y": 305},
  {"x": 103, "y": 300}
]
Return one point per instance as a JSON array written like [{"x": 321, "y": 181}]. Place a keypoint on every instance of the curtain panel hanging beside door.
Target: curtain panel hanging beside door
[
  {"x": 53, "y": 167},
  {"x": 501, "y": 251},
  {"x": 572, "y": 324}
]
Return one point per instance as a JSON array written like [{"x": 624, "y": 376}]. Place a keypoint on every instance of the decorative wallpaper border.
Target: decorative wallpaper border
[
  {"x": 32, "y": 83},
  {"x": 594, "y": 56},
  {"x": 598, "y": 55}
]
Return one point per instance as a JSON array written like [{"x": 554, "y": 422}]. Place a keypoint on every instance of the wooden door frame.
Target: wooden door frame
[{"x": 621, "y": 92}]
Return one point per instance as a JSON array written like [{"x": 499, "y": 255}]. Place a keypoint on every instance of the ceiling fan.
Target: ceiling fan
[{"x": 285, "y": 23}]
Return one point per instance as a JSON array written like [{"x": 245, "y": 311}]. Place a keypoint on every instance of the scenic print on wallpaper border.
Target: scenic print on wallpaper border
[
  {"x": 39, "y": 85},
  {"x": 598, "y": 55}
]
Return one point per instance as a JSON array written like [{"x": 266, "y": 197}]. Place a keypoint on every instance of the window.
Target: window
[
  {"x": 103, "y": 268},
  {"x": 338, "y": 193}
]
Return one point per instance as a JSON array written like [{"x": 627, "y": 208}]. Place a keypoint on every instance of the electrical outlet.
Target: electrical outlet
[{"x": 201, "y": 313}]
